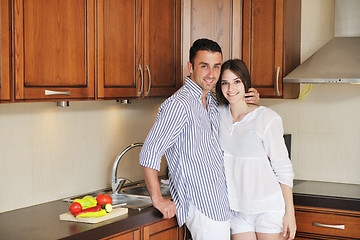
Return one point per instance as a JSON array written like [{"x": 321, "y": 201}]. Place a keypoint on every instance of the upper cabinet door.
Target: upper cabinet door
[
  {"x": 54, "y": 49},
  {"x": 119, "y": 48},
  {"x": 162, "y": 47},
  {"x": 271, "y": 44},
  {"x": 5, "y": 49}
]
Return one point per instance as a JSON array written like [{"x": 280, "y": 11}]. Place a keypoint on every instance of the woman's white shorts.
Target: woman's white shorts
[{"x": 269, "y": 222}]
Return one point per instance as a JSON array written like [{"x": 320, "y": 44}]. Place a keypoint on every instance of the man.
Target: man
[{"x": 186, "y": 131}]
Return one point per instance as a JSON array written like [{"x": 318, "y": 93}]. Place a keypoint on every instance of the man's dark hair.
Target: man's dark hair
[{"x": 203, "y": 44}]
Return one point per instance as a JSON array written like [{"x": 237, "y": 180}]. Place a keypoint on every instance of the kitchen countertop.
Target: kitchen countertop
[
  {"x": 327, "y": 195},
  {"x": 41, "y": 222}
]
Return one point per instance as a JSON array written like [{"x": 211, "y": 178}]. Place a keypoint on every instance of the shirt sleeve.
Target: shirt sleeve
[
  {"x": 277, "y": 152},
  {"x": 170, "y": 121}
]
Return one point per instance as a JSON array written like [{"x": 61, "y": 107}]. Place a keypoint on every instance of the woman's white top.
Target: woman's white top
[{"x": 256, "y": 160}]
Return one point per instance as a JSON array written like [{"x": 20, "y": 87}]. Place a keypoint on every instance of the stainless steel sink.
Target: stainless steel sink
[
  {"x": 142, "y": 190},
  {"x": 135, "y": 197},
  {"x": 132, "y": 201},
  {"x": 124, "y": 200}
]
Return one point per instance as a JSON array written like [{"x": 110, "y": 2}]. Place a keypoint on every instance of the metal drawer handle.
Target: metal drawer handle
[
  {"x": 328, "y": 226},
  {"x": 50, "y": 92},
  {"x": 142, "y": 80},
  {"x": 148, "y": 70},
  {"x": 277, "y": 81}
]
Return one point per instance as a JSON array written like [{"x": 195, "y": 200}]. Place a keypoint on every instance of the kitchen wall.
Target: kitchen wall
[
  {"x": 49, "y": 153},
  {"x": 325, "y": 125}
]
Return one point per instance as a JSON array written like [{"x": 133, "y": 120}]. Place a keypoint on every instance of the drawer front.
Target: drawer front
[{"x": 328, "y": 222}]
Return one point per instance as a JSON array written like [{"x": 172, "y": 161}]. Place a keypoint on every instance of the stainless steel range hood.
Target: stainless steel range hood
[
  {"x": 339, "y": 60},
  {"x": 336, "y": 62}
]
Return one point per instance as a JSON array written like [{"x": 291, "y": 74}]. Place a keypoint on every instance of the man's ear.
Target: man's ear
[{"x": 190, "y": 67}]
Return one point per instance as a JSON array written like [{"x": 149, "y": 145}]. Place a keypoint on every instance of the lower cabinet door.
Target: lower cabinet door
[
  {"x": 133, "y": 234},
  {"x": 163, "y": 230},
  {"x": 322, "y": 223}
]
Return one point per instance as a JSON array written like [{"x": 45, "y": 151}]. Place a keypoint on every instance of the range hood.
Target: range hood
[{"x": 336, "y": 62}]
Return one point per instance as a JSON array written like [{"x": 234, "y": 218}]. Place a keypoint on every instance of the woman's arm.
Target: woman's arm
[{"x": 289, "y": 223}]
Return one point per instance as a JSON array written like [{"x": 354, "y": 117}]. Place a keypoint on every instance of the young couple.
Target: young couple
[{"x": 229, "y": 171}]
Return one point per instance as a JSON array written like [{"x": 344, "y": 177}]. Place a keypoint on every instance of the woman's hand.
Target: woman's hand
[
  {"x": 252, "y": 97},
  {"x": 289, "y": 226}
]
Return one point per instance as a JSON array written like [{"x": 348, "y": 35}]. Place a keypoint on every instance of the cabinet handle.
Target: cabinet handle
[
  {"x": 277, "y": 81},
  {"x": 142, "y": 80},
  {"x": 50, "y": 92},
  {"x": 148, "y": 70},
  {"x": 328, "y": 226}
]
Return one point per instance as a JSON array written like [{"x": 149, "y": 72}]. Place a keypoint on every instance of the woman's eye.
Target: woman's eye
[
  {"x": 223, "y": 83},
  {"x": 238, "y": 81}
]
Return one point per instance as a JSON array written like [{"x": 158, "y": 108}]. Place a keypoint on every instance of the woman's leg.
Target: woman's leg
[
  {"x": 244, "y": 236},
  {"x": 269, "y": 236}
]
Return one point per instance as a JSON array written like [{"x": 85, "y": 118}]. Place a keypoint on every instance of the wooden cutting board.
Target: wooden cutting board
[{"x": 114, "y": 213}]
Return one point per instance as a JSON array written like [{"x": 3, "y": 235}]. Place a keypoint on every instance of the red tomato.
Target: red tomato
[
  {"x": 75, "y": 207},
  {"x": 103, "y": 199}
]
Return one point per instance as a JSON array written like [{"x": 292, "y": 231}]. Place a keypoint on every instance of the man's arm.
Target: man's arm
[
  {"x": 165, "y": 206},
  {"x": 252, "y": 97}
]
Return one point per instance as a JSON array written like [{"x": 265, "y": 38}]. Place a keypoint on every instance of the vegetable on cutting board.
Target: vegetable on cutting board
[
  {"x": 87, "y": 202},
  {"x": 108, "y": 207},
  {"x": 89, "y": 207},
  {"x": 100, "y": 213},
  {"x": 75, "y": 207},
  {"x": 103, "y": 199},
  {"x": 97, "y": 208}
]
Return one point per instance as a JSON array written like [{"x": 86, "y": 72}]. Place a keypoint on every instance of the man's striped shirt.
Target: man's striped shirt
[{"x": 187, "y": 133}]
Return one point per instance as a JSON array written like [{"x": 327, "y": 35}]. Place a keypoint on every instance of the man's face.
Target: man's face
[{"x": 206, "y": 69}]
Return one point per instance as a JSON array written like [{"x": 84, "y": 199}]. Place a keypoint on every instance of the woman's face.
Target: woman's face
[{"x": 232, "y": 87}]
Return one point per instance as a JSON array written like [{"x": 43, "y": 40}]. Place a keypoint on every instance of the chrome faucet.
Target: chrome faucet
[{"x": 118, "y": 183}]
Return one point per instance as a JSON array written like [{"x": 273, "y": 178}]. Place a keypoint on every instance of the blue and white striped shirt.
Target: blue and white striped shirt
[{"x": 187, "y": 133}]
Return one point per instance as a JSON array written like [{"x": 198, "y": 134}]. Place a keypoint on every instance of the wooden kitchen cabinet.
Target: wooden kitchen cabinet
[
  {"x": 163, "y": 230},
  {"x": 139, "y": 48},
  {"x": 133, "y": 234},
  {"x": 323, "y": 223},
  {"x": 271, "y": 44},
  {"x": 219, "y": 20},
  {"x": 5, "y": 50},
  {"x": 54, "y": 44}
]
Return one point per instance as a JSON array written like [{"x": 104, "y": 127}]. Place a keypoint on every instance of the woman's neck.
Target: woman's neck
[{"x": 239, "y": 110}]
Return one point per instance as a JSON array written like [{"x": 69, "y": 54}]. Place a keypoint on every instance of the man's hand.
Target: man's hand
[
  {"x": 252, "y": 97},
  {"x": 166, "y": 207}
]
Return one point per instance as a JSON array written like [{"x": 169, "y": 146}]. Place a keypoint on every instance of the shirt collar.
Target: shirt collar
[
  {"x": 193, "y": 87},
  {"x": 196, "y": 90}
]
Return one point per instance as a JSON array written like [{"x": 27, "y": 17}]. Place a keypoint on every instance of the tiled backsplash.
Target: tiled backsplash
[{"x": 48, "y": 153}]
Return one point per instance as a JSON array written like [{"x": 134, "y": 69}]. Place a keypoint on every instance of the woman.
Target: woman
[{"x": 258, "y": 170}]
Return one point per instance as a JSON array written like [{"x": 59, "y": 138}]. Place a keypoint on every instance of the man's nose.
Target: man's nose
[{"x": 211, "y": 73}]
